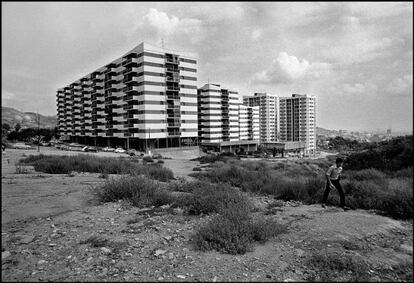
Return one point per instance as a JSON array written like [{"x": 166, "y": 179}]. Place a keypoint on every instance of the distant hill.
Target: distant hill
[
  {"x": 326, "y": 132},
  {"x": 12, "y": 116}
]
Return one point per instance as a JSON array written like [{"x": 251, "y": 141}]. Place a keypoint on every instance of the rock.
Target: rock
[
  {"x": 268, "y": 276},
  {"x": 170, "y": 256},
  {"x": 180, "y": 276},
  {"x": 40, "y": 262},
  {"x": 288, "y": 280},
  {"x": 215, "y": 279},
  {"x": 26, "y": 239},
  {"x": 128, "y": 254},
  {"x": 5, "y": 255},
  {"x": 178, "y": 211},
  {"x": 160, "y": 252},
  {"x": 160, "y": 278},
  {"x": 168, "y": 238},
  {"x": 106, "y": 251},
  {"x": 300, "y": 253},
  {"x": 89, "y": 259}
]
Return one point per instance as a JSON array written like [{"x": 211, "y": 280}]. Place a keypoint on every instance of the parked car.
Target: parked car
[
  {"x": 120, "y": 150},
  {"x": 22, "y": 146},
  {"x": 110, "y": 149},
  {"x": 91, "y": 149}
]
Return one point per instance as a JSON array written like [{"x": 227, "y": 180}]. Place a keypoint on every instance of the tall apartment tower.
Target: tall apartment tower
[
  {"x": 268, "y": 115},
  {"x": 298, "y": 120},
  {"x": 253, "y": 118},
  {"x": 148, "y": 97},
  {"x": 218, "y": 114}
]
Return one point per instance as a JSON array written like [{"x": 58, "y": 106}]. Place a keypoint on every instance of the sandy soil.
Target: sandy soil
[{"x": 46, "y": 218}]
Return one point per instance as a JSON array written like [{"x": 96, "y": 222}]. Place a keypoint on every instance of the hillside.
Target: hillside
[
  {"x": 326, "y": 132},
  {"x": 12, "y": 116}
]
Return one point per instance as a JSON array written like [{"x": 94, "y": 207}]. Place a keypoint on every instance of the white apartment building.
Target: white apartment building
[
  {"x": 298, "y": 120},
  {"x": 268, "y": 115},
  {"x": 222, "y": 118},
  {"x": 243, "y": 122},
  {"x": 253, "y": 118},
  {"x": 218, "y": 114},
  {"x": 146, "y": 97}
]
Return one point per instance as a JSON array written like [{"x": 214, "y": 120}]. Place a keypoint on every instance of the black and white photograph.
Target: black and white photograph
[{"x": 207, "y": 141}]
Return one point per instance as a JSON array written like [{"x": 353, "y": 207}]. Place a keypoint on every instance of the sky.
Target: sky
[{"x": 356, "y": 58}]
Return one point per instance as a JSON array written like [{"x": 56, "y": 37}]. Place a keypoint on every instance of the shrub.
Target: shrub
[
  {"x": 140, "y": 190},
  {"x": 331, "y": 267},
  {"x": 234, "y": 232},
  {"x": 147, "y": 159},
  {"x": 196, "y": 169},
  {"x": 160, "y": 161},
  {"x": 207, "y": 198},
  {"x": 59, "y": 164},
  {"x": 156, "y": 171}
]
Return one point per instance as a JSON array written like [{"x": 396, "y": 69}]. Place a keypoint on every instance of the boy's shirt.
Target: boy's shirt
[{"x": 334, "y": 172}]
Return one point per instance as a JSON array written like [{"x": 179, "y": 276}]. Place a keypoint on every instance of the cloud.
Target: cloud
[
  {"x": 256, "y": 34},
  {"x": 167, "y": 26},
  {"x": 367, "y": 88},
  {"x": 401, "y": 85},
  {"x": 7, "y": 95},
  {"x": 288, "y": 68}
]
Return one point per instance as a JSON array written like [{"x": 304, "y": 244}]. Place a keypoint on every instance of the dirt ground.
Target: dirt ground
[{"x": 46, "y": 219}]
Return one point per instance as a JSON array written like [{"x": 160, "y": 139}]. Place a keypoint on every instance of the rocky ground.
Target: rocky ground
[{"x": 119, "y": 242}]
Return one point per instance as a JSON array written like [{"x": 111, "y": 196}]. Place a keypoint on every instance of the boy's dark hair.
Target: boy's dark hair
[{"x": 339, "y": 160}]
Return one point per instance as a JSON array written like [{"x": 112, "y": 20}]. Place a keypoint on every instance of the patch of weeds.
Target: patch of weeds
[
  {"x": 148, "y": 159},
  {"x": 208, "y": 198},
  {"x": 234, "y": 232},
  {"x": 330, "y": 267},
  {"x": 139, "y": 190},
  {"x": 196, "y": 169}
]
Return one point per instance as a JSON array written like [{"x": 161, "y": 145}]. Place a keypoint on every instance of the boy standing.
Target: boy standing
[{"x": 333, "y": 175}]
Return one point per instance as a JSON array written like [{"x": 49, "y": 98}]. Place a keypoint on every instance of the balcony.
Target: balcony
[
  {"x": 172, "y": 59},
  {"x": 173, "y": 133},
  {"x": 130, "y": 88},
  {"x": 171, "y": 69},
  {"x": 173, "y": 97},
  {"x": 172, "y": 78},
  {"x": 173, "y": 88}
]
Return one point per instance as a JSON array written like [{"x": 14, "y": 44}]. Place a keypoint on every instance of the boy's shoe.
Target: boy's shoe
[{"x": 323, "y": 205}]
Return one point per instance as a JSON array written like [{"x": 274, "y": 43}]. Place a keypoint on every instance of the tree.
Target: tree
[
  {"x": 6, "y": 126},
  {"x": 17, "y": 127}
]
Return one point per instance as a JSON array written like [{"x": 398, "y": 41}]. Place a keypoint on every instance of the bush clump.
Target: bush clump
[
  {"x": 208, "y": 198},
  {"x": 234, "y": 232},
  {"x": 139, "y": 190},
  {"x": 62, "y": 164},
  {"x": 147, "y": 159},
  {"x": 331, "y": 267}
]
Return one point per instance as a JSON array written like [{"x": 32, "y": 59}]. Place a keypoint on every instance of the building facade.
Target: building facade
[
  {"x": 268, "y": 115},
  {"x": 298, "y": 120},
  {"x": 222, "y": 118},
  {"x": 146, "y": 98},
  {"x": 218, "y": 114}
]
